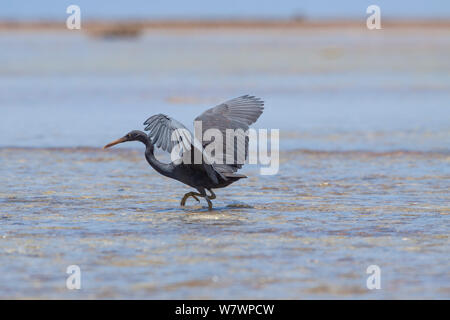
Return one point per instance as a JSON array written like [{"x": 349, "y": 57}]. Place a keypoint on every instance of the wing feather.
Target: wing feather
[
  {"x": 160, "y": 128},
  {"x": 237, "y": 113}
]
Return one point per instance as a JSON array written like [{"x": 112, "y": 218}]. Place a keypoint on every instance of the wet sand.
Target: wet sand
[{"x": 233, "y": 24}]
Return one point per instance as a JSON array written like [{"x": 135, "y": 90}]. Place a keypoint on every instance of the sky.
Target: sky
[{"x": 311, "y": 9}]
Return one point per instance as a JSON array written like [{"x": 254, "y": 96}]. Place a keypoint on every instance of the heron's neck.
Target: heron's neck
[{"x": 165, "y": 169}]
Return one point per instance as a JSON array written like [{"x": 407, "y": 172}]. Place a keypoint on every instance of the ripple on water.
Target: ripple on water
[{"x": 321, "y": 215}]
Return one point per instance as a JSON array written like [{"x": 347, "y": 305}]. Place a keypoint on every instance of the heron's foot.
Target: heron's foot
[
  {"x": 187, "y": 195},
  {"x": 194, "y": 195}
]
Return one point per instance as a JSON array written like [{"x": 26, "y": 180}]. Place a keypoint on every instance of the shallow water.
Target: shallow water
[
  {"x": 364, "y": 173},
  {"x": 311, "y": 234}
]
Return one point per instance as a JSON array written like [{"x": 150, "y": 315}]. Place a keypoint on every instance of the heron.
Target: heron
[{"x": 234, "y": 114}]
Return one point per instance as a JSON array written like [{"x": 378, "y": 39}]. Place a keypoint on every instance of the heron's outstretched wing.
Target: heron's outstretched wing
[
  {"x": 233, "y": 114},
  {"x": 161, "y": 129}
]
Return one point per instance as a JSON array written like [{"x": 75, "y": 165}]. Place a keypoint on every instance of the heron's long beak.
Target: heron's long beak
[{"x": 124, "y": 139}]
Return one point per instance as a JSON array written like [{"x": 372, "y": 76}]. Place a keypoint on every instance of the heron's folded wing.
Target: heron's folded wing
[{"x": 233, "y": 114}]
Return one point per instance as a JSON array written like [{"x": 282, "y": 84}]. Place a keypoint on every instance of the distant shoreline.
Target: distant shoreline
[{"x": 148, "y": 25}]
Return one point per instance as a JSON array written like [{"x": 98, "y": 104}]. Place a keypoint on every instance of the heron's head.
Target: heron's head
[{"x": 134, "y": 135}]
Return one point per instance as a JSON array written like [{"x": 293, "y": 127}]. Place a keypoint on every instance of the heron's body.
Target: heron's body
[
  {"x": 192, "y": 175},
  {"x": 234, "y": 114}
]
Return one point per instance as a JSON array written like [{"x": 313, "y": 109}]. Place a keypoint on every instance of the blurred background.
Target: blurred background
[
  {"x": 326, "y": 77},
  {"x": 364, "y": 119}
]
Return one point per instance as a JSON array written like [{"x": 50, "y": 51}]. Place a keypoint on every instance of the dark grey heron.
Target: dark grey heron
[{"x": 234, "y": 114}]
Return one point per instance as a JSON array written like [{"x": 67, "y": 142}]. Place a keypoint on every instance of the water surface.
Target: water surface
[{"x": 364, "y": 173}]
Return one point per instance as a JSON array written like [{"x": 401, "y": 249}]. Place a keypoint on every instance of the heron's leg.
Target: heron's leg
[
  {"x": 209, "y": 203},
  {"x": 190, "y": 194},
  {"x": 212, "y": 196},
  {"x": 207, "y": 198}
]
